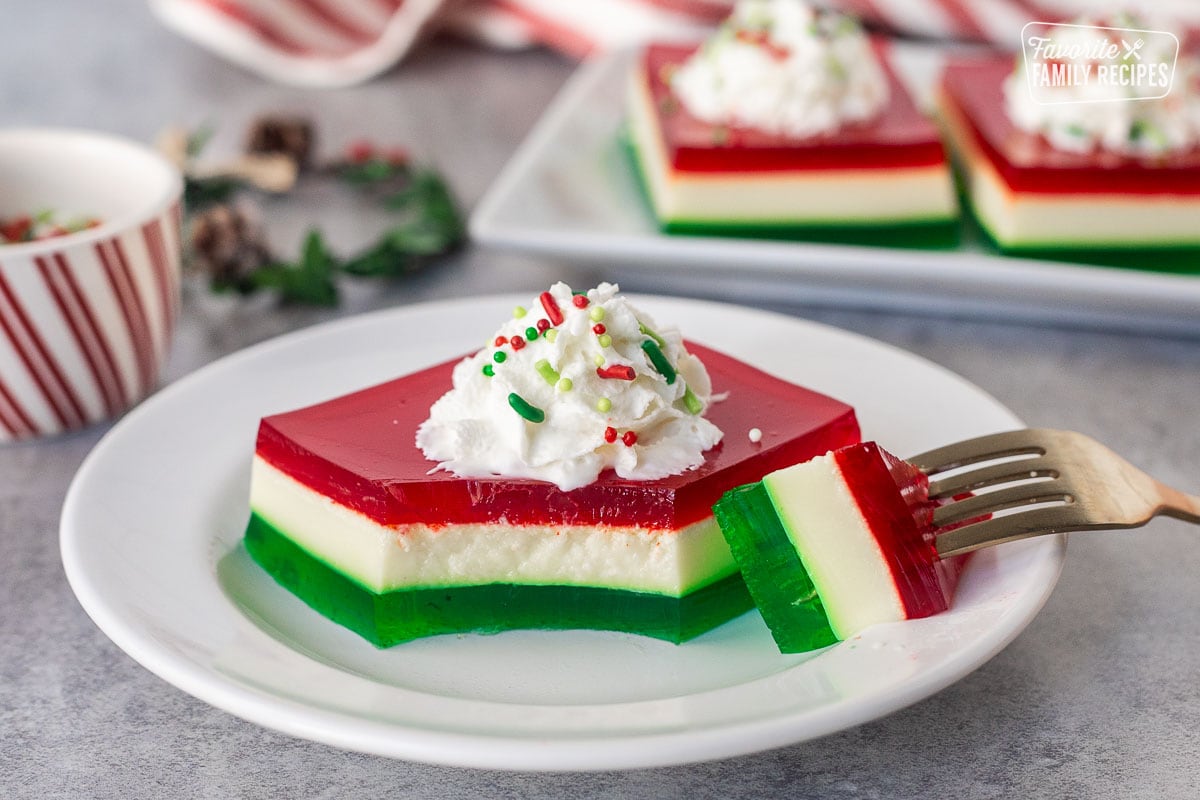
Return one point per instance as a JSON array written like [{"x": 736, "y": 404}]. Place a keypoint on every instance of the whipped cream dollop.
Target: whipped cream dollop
[
  {"x": 1094, "y": 114},
  {"x": 785, "y": 68},
  {"x": 572, "y": 385}
]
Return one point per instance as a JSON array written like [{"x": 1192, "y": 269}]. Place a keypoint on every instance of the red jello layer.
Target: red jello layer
[
  {"x": 359, "y": 450},
  {"x": 893, "y": 496},
  {"x": 901, "y": 136},
  {"x": 1028, "y": 163}
]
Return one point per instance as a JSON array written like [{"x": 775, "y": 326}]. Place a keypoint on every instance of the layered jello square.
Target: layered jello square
[
  {"x": 1030, "y": 196},
  {"x": 885, "y": 180},
  {"x": 350, "y": 516}
]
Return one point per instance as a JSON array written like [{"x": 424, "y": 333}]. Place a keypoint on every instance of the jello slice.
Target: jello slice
[
  {"x": 885, "y": 181},
  {"x": 349, "y": 516},
  {"x": 1032, "y": 198},
  {"x": 833, "y": 545}
]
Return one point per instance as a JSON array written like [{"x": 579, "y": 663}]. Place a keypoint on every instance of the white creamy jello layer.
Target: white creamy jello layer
[
  {"x": 1036, "y": 220},
  {"x": 816, "y": 197},
  {"x": 836, "y": 545},
  {"x": 383, "y": 558}
]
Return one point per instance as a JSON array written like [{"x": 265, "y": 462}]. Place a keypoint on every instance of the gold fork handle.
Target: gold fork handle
[{"x": 1179, "y": 505}]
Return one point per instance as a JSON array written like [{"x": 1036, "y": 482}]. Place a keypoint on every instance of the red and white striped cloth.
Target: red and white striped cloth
[
  {"x": 342, "y": 42},
  {"x": 85, "y": 329}
]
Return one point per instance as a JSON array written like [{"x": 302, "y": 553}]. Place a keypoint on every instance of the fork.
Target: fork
[{"x": 1057, "y": 481}]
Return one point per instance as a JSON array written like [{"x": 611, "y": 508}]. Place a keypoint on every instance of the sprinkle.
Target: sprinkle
[
  {"x": 487, "y": 370},
  {"x": 543, "y": 325},
  {"x": 598, "y": 360},
  {"x": 660, "y": 362},
  {"x": 630, "y": 438},
  {"x": 580, "y": 301},
  {"x": 517, "y": 342},
  {"x": 499, "y": 356},
  {"x": 694, "y": 406},
  {"x": 604, "y": 405},
  {"x": 519, "y": 312},
  {"x": 604, "y": 340},
  {"x": 547, "y": 372},
  {"x": 755, "y": 435},
  {"x": 597, "y": 313},
  {"x": 620, "y": 372},
  {"x": 610, "y": 434},
  {"x": 599, "y": 328},
  {"x": 648, "y": 332},
  {"x": 552, "y": 310},
  {"x": 529, "y": 412},
  {"x": 500, "y": 341},
  {"x": 531, "y": 333},
  {"x": 565, "y": 385},
  {"x": 550, "y": 335}
]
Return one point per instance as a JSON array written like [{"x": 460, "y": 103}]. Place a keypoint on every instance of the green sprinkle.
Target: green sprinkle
[
  {"x": 596, "y": 313},
  {"x": 550, "y": 335},
  {"x": 605, "y": 340},
  {"x": 647, "y": 332},
  {"x": 565, "y": 385},
  {"x": 499, "y": 356},
  {"x": 487, "y": 370},
  {"x": 659, "y": 360},
  {"x": 530, "y": 334},
  {"x": 694, "y": 406},
  {"x": 546, "y": 371},
  {"x": 519, "y": 312},
  {"x": 604, "y": 405},
  {"x": 599, "y": 360},
  {"x": 522, "y": 407}
]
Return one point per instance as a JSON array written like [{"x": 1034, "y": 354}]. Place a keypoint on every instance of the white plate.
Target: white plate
[
  {"x": 153, "y": 520},
  {"x": 570, "y": 192}
]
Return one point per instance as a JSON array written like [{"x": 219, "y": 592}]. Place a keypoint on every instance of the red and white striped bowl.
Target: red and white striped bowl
[{"x": 85, "y": 319}]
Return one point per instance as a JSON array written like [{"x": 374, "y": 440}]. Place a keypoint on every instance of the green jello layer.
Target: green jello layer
[
  {"x": 1171, "y": 258},
  {"x": 406, "y": 614},
  {"x": 773, "y": 571},
  {"x": 922, "y": 235},
  {"x": 927, "y": 234}
]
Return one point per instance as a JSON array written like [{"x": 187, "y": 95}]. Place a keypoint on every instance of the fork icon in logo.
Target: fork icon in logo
[{"x": 1131, "y": 50}]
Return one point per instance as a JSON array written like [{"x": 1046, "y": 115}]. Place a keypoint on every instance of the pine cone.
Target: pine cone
[
  {"x": 228, "y": 244},
  {"x": 289, "y": 136}
]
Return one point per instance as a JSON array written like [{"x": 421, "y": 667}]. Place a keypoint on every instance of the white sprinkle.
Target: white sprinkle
[{"x": 755, "y": 435}]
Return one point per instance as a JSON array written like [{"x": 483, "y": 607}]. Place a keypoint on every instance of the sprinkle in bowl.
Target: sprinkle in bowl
[{"x": 86, "y": 311}]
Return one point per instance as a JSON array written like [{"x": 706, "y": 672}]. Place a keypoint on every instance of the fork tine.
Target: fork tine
[
  {"x": 1006, "y": 472},
  {"x": 982, "y": 448},
  {"x": 988, "y": 502},
  {"x": 1012, "y": 527}
]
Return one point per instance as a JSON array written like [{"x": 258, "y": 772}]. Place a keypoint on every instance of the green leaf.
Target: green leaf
[
  {"x": 381, "y": 260},
  {"x": 309, "y": 282},
  {"x": 373, "y": 171},
  {"x": 202, "y": 192}
]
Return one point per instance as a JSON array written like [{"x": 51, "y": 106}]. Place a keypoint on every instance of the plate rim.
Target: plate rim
[{"x": 482, "y": 750}]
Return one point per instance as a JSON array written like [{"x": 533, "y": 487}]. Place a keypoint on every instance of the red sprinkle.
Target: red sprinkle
[
  {"x": 552, "y": 310},
  {"x": 397, "y": 156},
  {"x": 580, "y": 300},
  {"x": 621, "y": 372},
  {"x": 630, "y": 438},
  {"x": 501, "y": 341},
  {"x": 610, "y": 434},
  {"x": 517, "y": 342},
  {"x": 543, "y": 325},
  {"x": 599, "y": 328}
]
